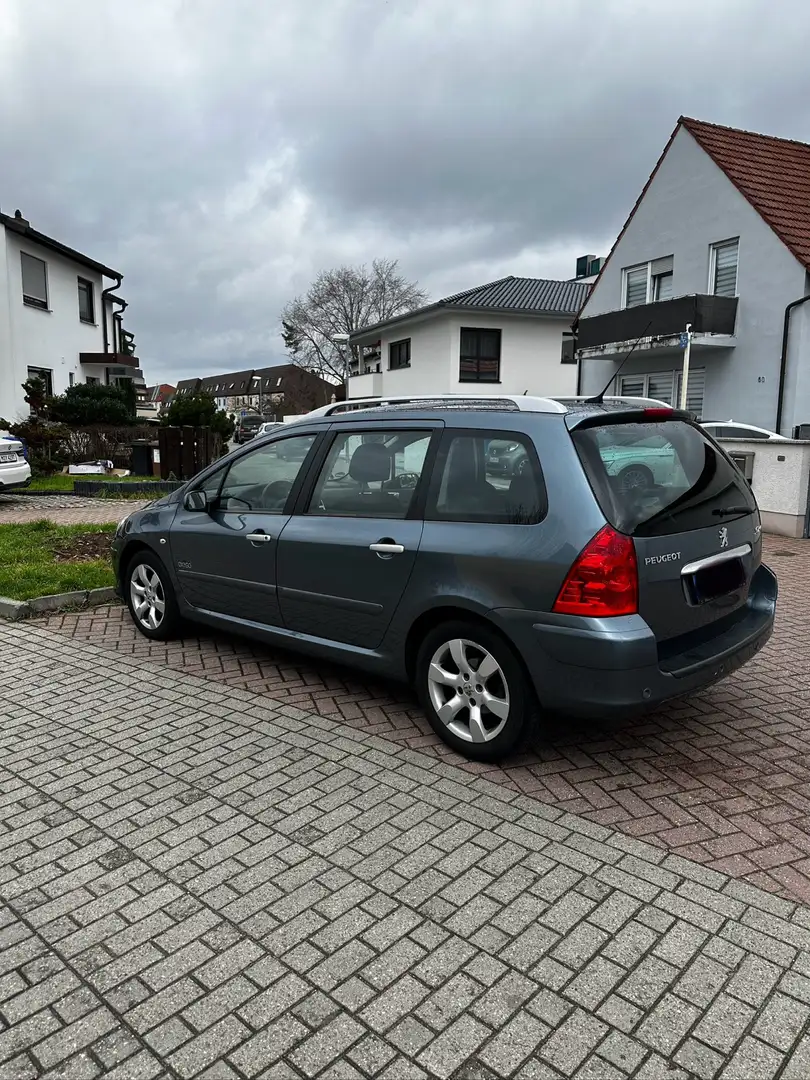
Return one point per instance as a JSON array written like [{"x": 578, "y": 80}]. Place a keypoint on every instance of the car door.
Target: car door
[
  {"x": 225, "y": 556},
  {"x": 345, "y": 559}
]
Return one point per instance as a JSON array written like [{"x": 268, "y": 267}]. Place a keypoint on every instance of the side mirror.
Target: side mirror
[{"x": 195, "y": 500}]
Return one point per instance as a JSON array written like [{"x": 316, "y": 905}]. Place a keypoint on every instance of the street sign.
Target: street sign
[
  {"x": 244, "y": 412},
  {"x": 683, "y": 340}
]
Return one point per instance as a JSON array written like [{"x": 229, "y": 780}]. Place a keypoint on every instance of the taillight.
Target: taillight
[
  {"x": 658, "y": 414},
  {"x": 603, "y": 580}
]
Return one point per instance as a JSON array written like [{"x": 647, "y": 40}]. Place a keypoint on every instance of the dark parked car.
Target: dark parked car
[
  {"x": 247, "y": 427},
  {"x": 384, "y": 539}
]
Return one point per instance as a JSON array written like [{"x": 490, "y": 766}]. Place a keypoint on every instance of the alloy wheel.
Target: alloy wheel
[
  {"x": 148, "y": 598},
  {"x": 468, "y": 690}
]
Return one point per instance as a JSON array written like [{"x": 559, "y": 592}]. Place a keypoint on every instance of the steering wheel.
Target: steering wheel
[
  {"x": 404, "y": 481},
  {"x": 277, "y": 492}
]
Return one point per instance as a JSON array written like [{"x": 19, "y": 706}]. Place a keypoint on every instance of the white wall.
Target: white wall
[
  {"x": 530, "y": 357},
  {"x": 689, "y": 205},
  {"x": 780, "y": 482},
  {"x": 34, "y": 337}
]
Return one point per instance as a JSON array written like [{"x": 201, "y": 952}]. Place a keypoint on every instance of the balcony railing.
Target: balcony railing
[
  {"x": 108, "y": 358},
  {"x": 664, "y": 318}
]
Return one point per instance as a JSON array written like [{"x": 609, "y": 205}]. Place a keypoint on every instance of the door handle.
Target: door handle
[
  {"x": 387, "y": 547},
  {"x": 259, "y": 538}
]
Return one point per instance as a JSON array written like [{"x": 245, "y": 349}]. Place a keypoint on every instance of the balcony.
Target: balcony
[
  {"x": 367, "y": 385},
  {"x": 659, "y": 326}
]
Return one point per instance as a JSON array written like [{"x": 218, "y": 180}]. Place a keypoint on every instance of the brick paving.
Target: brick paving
[
  {"x": 721, "y": 778},
  {"x": 198, "y": 881},
  {"x": 64, "y": 510}
]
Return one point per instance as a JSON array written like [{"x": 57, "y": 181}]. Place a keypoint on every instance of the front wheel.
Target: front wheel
[
  {"x": 150, "y": 597},
  {"x": 474, "y": 690}
]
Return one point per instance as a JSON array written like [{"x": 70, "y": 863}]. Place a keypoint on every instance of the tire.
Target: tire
[
  {"x": 146, "y": 577},
  {"x": 471, "y": 726},
  {"x": 635, "y": 477}
]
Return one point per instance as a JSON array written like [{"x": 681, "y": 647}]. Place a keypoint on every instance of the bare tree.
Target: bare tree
[{"x": 339, "y": 302}]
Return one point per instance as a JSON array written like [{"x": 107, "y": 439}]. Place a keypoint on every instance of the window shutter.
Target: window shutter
[
  {"x": 631, "y": 386},
  {"x": 694, "y": 390},
  {"x": 725, "y": 269},
  {"x": 661, "y": 387},
  {"x": 636, "y": 287},
  {"x": 34, "y": 283}
]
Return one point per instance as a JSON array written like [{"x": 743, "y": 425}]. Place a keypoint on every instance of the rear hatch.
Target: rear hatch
[{"x": 691, "y": 514}]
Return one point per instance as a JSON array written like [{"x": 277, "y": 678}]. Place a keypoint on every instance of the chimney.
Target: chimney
[{"x": 18, "y": 217}]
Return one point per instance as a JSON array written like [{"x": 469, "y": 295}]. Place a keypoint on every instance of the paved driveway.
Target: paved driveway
[
  {"x": 723, "y": 778},
  {"x": 64, "y": 510},
  {"x": 200, "y": 882}
]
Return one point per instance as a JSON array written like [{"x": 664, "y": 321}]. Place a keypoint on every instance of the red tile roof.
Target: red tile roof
[{"x": 772, "y": 174}]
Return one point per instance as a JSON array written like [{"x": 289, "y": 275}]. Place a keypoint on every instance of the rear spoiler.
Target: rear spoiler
[{"x": 577, "y": 420}]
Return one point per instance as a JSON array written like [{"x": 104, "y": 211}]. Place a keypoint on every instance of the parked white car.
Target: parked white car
[
  {"x": 268, "y": 426},
  {"x": 15, "y": 472},
  {"x": 730, "y": 429}
]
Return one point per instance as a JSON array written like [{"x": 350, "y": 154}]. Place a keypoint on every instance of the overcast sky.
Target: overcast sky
[{"x": 221, "y": 152}]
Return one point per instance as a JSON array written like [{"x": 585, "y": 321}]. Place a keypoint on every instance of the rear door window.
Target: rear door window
[
  {"x": 660, "y": 478},
  {"x": 487, "y": 477}
]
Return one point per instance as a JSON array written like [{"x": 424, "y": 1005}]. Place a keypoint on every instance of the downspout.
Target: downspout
[
  {"x": 784, "y": 359},
  {"x": 574, "y": 329},
  {"x": 104, "y": 294},
  {"x": 117, "y": 322}
]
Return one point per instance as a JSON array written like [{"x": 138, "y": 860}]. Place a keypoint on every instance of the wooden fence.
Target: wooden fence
[{"x": 184, "y": 451}]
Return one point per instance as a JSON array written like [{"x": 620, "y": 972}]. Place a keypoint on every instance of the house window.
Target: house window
[
  {"x": 635, "y": 285},
  {"x": 34, "y": 281},
  {"x": 71, "y": 378},
  {"x": 93, "y": 381},
  {"x": 648, "y": 282},
  {"x": 662, "y": 286},
  {"x": 480, "y": 359},
  {"x": 86, "y": 305},
  {"x": 46, "y": 375},
  {"x": 723, "y": 268},
  {"x": 399, "y": 354},
  {"x": 665, "y": 386}
]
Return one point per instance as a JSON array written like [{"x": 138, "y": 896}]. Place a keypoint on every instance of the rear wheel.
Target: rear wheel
[
  {"x": 150, "y": 597},
  {"x": 474, "y": 690},
  {"x": 635, "y": 478}
]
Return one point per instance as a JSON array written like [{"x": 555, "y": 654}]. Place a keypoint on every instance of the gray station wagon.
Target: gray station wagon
[{"x": 394, "y": 540}]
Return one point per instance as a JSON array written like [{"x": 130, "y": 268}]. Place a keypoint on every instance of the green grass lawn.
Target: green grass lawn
[
  {"x": 28, "y": 566},
  {"x": 61, "y": 482}
]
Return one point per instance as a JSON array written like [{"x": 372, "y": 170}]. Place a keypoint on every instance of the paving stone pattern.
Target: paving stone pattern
[
  {"x": 64, "y": 509},
  {"x": 197, "y": 881},
  {"x": 720, "y": 778}
]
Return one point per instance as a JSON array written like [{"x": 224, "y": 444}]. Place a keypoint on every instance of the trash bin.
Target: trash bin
[{"x": 141, "y": 461}]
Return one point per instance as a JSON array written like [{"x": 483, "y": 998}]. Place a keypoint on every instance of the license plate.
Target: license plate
[
  {"x": 716, "y": 581},
  {"x": 6, "y": 459}
]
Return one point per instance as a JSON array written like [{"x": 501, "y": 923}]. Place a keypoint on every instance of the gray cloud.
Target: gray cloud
[{"x": 220, "y": 154}]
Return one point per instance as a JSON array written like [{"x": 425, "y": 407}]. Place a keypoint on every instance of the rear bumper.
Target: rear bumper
[
  {"x": 607, "y": 667},
  {"x": 15, "y": 476}
]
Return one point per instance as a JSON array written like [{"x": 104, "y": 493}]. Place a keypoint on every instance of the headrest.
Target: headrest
[{"x": 370, "y": 462}]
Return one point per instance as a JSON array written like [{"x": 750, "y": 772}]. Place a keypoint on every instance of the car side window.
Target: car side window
[
  {"x": 261, "y": 480},
  {"x": 487, "y": 477},
  {"x": 370, "y": 474}
]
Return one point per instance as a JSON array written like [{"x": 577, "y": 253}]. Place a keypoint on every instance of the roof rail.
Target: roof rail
[{"x": 522, "y": 403}]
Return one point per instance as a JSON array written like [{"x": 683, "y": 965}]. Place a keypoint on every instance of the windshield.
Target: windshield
[{"x": 660, "y": 478}]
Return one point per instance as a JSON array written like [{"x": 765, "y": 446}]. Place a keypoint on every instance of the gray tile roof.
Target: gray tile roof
[
  {"x": 511, "y": 295},
  {"x": 537, "y": 295}
]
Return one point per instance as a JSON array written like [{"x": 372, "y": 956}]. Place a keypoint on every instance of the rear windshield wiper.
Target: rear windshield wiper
[{"x": 727, "y": 511}]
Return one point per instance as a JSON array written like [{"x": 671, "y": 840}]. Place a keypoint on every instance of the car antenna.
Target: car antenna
[{"x": 597, "y": 399}]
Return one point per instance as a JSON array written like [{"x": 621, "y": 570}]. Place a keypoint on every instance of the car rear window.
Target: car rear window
[{"x": 659, "y": 478}]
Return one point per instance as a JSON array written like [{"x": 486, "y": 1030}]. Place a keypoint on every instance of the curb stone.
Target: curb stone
[{"x": 21, "y": 609}]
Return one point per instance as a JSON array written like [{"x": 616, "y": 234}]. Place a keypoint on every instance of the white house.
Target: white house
[
  {"x": 513, "y": 334},
  {"x": 60, "y": 317},
  {"x": 718, "y": 240}
]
